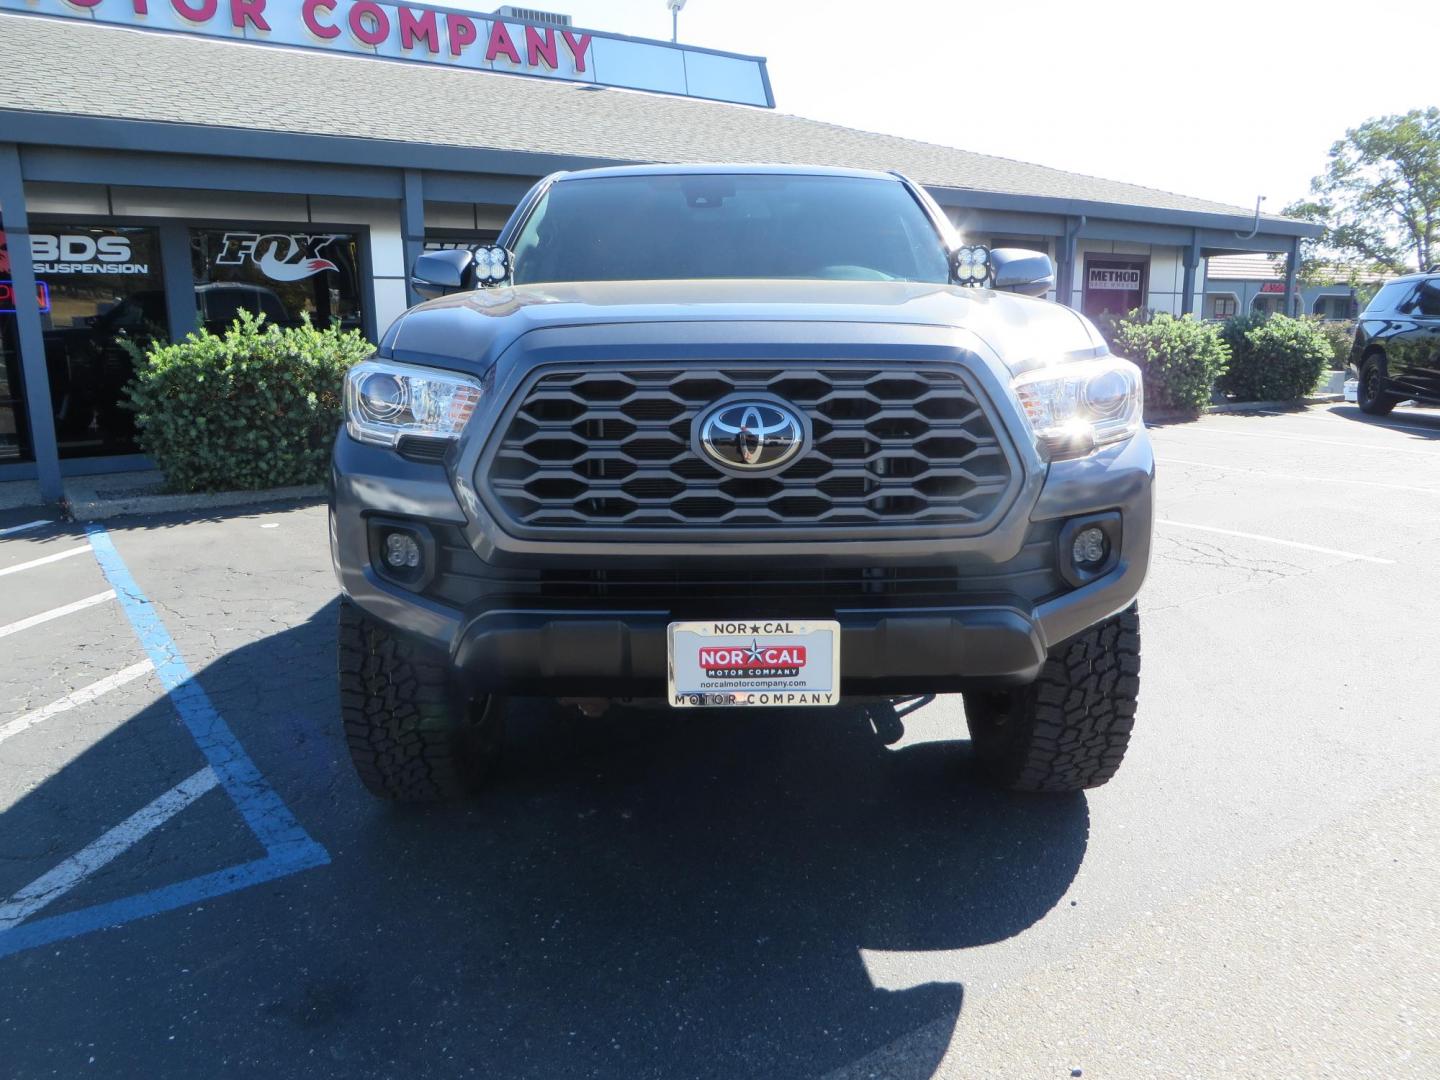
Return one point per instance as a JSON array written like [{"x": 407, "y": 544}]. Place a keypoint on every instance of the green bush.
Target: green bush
[
  {"x": 1181, "y": 358},
  {"x": 1340, "y": 333},
  {"x": 1274, "y": 358},
  {"x": 254, "y": 408}
]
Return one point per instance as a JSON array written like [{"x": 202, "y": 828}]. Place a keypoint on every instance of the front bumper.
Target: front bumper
[
  {"x": 507, "y": 631},
  {"x": 622, "y": 653}
]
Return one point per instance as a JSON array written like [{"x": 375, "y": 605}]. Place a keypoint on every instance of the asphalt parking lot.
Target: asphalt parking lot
[{"x": 197, "y": 886}]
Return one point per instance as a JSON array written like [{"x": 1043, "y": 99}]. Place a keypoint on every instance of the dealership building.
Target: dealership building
[{"x": 166, "y": 163}]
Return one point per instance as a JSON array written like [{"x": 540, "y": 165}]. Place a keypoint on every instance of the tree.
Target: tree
[{"x": 1379, "y": 196}]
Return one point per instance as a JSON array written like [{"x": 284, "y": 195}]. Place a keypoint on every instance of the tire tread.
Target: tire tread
[
  {"x": 399, "y": 714},
  {"x": 1069, "y": 729}
]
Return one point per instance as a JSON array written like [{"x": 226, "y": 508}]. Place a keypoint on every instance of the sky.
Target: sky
[{"x": 1223, "y": 100}]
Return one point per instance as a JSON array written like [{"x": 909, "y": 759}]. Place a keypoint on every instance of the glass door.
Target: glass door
[{"x": 1113, "y": 286}]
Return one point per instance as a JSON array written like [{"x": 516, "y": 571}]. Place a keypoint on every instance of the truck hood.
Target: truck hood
[{"x": 476, "y": 327}]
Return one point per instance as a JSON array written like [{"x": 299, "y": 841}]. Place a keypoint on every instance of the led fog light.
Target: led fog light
[
  {"x": 402, "y": 552},
  {"x": 1090, "y": 548}
]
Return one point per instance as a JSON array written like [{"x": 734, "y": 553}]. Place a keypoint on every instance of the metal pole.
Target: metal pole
[
  {"x": 1292, "y": 268},
  {"x": 35, "y": 375},
  {"x": 674, "y": 25}
]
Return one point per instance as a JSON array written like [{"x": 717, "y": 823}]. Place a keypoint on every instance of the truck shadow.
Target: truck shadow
[
  {"x": 713, "y": 881},
  {"x": 644, "y": 895},
  {"x": 1417, "y": 423}
]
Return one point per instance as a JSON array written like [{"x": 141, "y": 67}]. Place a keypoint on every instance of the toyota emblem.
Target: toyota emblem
[{"x": 750, "y": 435}]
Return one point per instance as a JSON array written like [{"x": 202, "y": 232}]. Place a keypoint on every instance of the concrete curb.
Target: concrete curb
[
  {"x": 1267, "y": 406},
  {"x": 100, "y": 508},
  {"x": 1246, "y": 407}
]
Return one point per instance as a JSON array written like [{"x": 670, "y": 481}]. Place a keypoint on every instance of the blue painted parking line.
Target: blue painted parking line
[
  {"x": 289, "y": 848},
  {"x": 182, "y": 894},
  {"x": 258, "y": 803}
]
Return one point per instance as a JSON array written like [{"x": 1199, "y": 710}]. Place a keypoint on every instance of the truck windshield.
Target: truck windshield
[{"x": 701, "y": 225}]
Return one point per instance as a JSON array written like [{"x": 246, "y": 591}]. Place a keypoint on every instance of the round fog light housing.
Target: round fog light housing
[
  {"x": 1090, "y": 548},
  {"x": 402, "y": 551}
]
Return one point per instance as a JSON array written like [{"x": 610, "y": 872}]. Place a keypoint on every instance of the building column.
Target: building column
[
  {"x": 1192, "y": 263},
  {"x": 38, "y": 408},
  {"x": 1065, "y": 271},
  {"x": 179, "y": 279},
  {"x": 412, "y": 228},
  {"x": 1292, "y": 268}
]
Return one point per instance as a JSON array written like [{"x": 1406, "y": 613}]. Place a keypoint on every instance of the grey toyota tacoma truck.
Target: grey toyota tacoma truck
[{"x": 739, "y": 436}]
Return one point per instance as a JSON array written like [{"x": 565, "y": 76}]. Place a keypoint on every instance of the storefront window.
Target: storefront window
[
  {"x": 1029, "y": 243},
  {"x": 102, "y": 292},
  {"x": 1272, "y": 302},
  {"x": 284, "y": 276},
  {"x": 1222, "y": 306},
  {"x": 14, "y": 438},
  {"x": 445, "y": 239},
  {"x": 1334, "y": 307}
]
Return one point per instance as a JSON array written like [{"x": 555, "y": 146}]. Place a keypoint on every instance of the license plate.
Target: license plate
[{"x": 774, "y": 662}]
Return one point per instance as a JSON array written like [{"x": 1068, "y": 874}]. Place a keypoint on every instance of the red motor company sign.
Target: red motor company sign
[
  {"x": 419, "y": 28},
  {"x": 411, "y": 31}
]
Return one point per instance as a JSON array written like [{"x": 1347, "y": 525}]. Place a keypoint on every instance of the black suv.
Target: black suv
[
  {"x": 1397, "y": 344},
  {"x": 739, "y": 436}
]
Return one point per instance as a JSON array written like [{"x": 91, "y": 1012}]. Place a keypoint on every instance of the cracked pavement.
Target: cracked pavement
[{"x": 647, "y": 895}]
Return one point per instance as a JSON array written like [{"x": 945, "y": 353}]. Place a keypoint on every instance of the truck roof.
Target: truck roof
[{"x": 723, "y": 168}]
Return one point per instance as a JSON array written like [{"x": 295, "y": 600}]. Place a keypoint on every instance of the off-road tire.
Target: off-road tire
[
  {"x": 1371, "y": 396},
  {"x": 1067, "y": 730},
  {"x": 413, "y": 736}
]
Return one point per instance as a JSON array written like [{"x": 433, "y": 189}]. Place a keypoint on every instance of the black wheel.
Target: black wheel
[
  {"x": 413, "y": 736},
  {"x": 1371, "y": 394},
  {"x": 1068, "y": 729}
]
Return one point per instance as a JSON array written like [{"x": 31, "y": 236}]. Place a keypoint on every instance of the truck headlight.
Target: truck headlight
[
  {"x": 1076, "y": 408},
  {"x": 384, "y": 401}
]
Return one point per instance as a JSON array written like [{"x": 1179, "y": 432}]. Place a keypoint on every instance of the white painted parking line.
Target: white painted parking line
[
  {"x": 1216, "y": 429},
  {"x": 79, "y": 697},
  {"x": 55, "y": 613},
  {"x": 56, "y": 883},
  {"x": 44, "y": 560},
  {"x": 1297, "y": 476},
  {"x": 28, "y": 525},
  {"x": 1275, "y": 540}
]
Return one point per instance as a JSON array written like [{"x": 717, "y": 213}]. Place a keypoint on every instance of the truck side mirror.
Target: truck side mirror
[
  {"x": 439, "y": 272},
  {"x": 1023, "y": 271}
]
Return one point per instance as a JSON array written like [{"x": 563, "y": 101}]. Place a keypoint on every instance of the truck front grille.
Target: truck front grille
[
  {"x": 596, "y": 448},
  {"x": 463, "y": 580}
]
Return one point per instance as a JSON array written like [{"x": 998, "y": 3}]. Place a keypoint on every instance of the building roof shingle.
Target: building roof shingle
[
  {"x": 66, "y": 66},
  {"x": 1264, "y": 268},
  {"x": 1244, "y": 268}
]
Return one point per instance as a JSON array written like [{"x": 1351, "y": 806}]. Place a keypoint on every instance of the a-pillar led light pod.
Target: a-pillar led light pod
[
  {"x": 971, "y": 264},
  {"x": 492, "y": 266}
]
